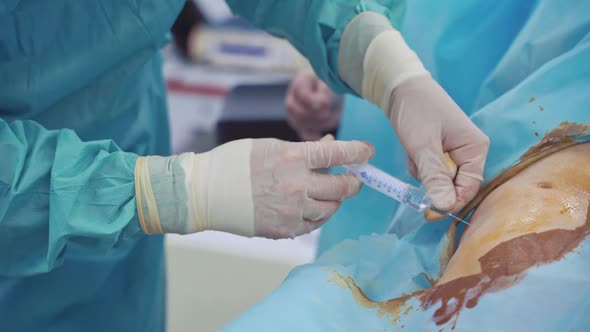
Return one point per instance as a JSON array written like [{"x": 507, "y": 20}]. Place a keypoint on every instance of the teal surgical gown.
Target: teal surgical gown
[{"x": 81, "y": 97}]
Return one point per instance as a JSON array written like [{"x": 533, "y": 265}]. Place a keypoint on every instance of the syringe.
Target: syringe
[{"x": 402, "y": 192}]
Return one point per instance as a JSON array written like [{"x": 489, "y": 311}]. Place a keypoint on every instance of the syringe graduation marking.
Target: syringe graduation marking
[
  {"x": 382, "y": 182},
  {"x": 412, "y": 197}
]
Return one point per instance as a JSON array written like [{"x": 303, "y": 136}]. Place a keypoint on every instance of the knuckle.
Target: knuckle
[
  {"x": 479, "y": 138},
  {"x": 347, "y": 187},
  {"x": 340, "y": 150},
  {"x": 342, "y": 188},
  {"x": 484, "y": 141}
]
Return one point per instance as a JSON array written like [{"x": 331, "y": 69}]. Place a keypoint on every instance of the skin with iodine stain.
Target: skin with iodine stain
[
  {"x": 535, "y": 218},
  {"x": 551, "y": 194}
]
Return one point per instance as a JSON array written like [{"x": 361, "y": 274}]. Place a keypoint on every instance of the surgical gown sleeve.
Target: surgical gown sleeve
[
  {"x": 56, "y": 190},
  {"x": 315, "y": 27}
]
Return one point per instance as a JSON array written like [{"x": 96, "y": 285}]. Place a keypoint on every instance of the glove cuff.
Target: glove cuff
[
  {"x": 189, "y": 193},
  {"x": 161, "y": 195},
  {"x": 388, "y": 63},
  {"x": 374, "y": 58}
]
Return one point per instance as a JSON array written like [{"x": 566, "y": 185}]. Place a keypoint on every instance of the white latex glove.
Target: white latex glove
[
  {"x": 312, "y": 108},
  {"x": 263, "y": 187},
  {"x": 429, "y": 124},
  {"x": 376, "y": 62}
]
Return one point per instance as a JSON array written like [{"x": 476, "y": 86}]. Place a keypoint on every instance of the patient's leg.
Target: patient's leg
[{"x": 548, "y": 197}]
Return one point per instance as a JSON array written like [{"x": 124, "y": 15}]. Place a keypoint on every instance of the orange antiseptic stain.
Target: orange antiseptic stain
[
  {"x": 501, "y": 267},
  {"x": 568, "y": 129},
  {"x": 407, "y": 311},
  {"x": 564, "y": 134},
  {"x": 391, "y": 308},
  {"x": 545, "y": 185}
]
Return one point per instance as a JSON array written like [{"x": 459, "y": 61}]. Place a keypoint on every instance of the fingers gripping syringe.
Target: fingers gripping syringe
[{"x": 394, "y": 188}]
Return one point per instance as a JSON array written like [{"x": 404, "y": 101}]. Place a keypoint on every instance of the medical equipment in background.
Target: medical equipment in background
[
  {"x": 249, "y": 49},
  {"x": 401, "y": 191}
]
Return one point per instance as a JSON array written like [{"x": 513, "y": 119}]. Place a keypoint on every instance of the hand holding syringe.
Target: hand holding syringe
[{"x": 400, "y": 191}]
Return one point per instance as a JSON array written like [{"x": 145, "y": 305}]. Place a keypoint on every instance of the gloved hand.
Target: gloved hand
[
  {"x": 376, "y": 62},
  {"x": 428, "y": 124},
  {"x": 263, "y": 187},
  {"x": 312, "y": 108}
]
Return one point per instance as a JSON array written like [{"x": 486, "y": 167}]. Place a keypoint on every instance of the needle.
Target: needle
[
  {"x": 457, "y": 218},
  {"x": 446, "y": 213}
]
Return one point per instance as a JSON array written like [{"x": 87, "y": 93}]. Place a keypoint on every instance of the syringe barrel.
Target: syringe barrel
[
  {"x": 417, "y": 198},
  {"x": 390, "y": 186}
]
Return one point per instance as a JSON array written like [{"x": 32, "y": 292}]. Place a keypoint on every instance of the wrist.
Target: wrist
[
  {"x": 388, "y": 63},
  {"x": 374, "y": 58},
  {"x": 222, "y": 189}
]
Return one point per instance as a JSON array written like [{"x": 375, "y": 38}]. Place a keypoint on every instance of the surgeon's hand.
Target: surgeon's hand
[
  {"x": 428, "y": 124},
  {"x": 312, "y": 108},
  {"x": 262, "y": 187},
  {"x": 376, "y": 62},
  {"x": 289, "y": 197}
]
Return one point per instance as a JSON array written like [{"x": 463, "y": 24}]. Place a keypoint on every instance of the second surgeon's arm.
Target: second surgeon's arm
[
  {"x": 56, "y": 190},
  {"x": 315, "y": 27}
]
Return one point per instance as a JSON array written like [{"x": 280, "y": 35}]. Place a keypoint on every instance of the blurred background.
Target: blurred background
[{"x": 226, "y": 81}]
